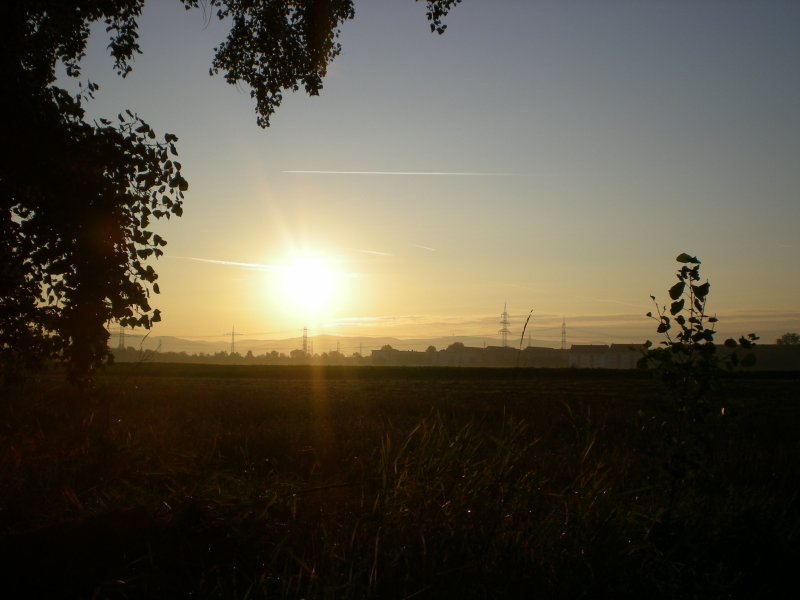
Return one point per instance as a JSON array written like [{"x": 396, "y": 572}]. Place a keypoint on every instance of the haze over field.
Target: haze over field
[{"x": 556, "y": 156}]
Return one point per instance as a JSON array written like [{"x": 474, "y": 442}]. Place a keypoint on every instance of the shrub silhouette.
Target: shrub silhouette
[{"x": 688, "y": 359}]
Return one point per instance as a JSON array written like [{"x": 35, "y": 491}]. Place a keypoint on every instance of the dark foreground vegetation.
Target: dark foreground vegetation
[{"x": 169, "y": 481}]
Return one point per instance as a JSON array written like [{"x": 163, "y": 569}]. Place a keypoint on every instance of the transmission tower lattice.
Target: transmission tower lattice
[
  {"x": 121, "y": 338},
  {"x": 563, "y": 334},
  {"x": 505, "y": 323},
  {"x": 305, "y": 340},
  {"x": 233, "y": 334}
]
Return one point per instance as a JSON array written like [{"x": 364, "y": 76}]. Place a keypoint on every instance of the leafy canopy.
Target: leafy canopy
[
  {"x": 78, "y": 198},
  {"x": 789, "y": 339}
]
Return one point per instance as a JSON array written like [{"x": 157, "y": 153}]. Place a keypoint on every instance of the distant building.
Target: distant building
[
  {"x": 625, "y": 356},
  {"x": 406, "y": 358},
  {"x": 589, "y": 356},
  {"x": 541, "y": 357}
]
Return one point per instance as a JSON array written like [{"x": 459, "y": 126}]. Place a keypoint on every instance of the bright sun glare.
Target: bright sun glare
[{"x": 309, "y": 285}]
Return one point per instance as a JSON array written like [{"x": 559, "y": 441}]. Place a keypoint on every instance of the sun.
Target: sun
[{"x": 310, "y": 286}]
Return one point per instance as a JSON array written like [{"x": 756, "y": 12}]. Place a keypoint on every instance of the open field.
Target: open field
[{"x": 233, "y": 482}]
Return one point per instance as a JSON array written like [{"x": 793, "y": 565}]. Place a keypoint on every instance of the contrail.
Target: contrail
[
  {"x": 254, "y": 266},
  {"x": 376, "y": 252},
  {"x": 428, "y": 248},
  {"x": 231, "y": 263},
  {"x": 421, "y": 173}
]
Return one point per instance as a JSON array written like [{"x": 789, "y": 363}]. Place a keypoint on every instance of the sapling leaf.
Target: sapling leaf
[
  {"x": 676, "y": 290},
  {"x": 701, "y": 291},
  {"x": 687, "y": 258}
]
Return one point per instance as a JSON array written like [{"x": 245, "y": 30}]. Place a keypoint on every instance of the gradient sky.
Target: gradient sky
[{"x": 578, "y": 148}]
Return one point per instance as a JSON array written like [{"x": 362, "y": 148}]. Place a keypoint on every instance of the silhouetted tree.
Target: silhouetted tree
[
  {"x": 77, "y": 198},
  {"x": 789, "y": 339}
]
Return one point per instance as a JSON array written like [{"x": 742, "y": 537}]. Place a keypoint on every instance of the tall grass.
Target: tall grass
[{"x": 391, "y": 489}]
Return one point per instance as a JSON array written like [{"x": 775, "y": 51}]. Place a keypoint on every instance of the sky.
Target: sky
[{"x": 553, "y": 156}]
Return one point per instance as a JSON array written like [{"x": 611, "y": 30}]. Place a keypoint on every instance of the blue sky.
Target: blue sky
[{"x": 588, "y": 143}]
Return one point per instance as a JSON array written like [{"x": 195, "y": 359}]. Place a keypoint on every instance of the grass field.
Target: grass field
[{"x": 170, "y": 481}]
